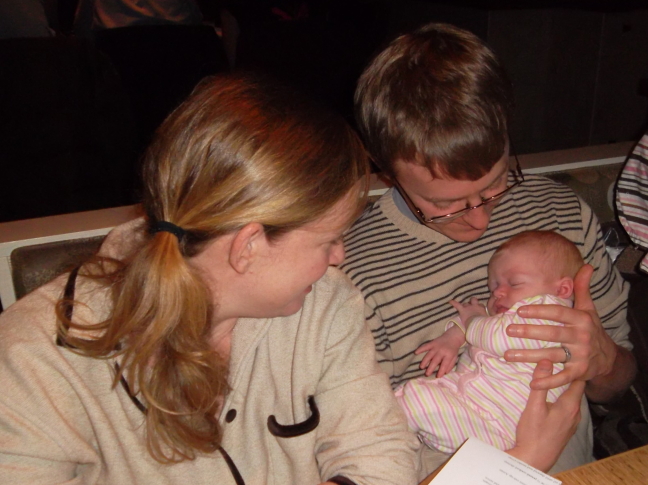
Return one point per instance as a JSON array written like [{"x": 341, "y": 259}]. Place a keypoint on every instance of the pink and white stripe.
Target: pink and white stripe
[
  {"x": 485, "y": 397},
  {"x": 632, "y": 196}
]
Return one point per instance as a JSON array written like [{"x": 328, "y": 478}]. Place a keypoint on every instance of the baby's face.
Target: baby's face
[{"x": 515, "y": 274}]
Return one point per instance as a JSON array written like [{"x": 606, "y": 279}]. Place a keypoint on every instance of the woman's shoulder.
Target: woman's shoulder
[
  {"x": 32, "y": 315},
  {"x": 335, "y": 285},
  {"x": 35, "y": 313},
  {"x": 33, "y": 318},
  {"x": 28, "y": 334},
  {"x": 333, "y": 303},
  {"x": 124, "y": 239}
]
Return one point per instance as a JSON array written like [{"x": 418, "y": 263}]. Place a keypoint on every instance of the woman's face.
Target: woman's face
[
  {"x": 251, "y": 276},
  {"x": 292, "y": 263},
  {"x": 276, "y": 275}
]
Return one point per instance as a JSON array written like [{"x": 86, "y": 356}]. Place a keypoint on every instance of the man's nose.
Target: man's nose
[{"x": 478, "y": 218}]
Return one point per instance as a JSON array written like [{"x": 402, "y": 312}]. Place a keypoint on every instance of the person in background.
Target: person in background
[
  {"x": 434, "y": 109},
  {"x": 93, "y": 15},
  {"x": 21, "y": 19},
  {"x": 485, "y": 396},
  {"x": 211, "y": 340}
]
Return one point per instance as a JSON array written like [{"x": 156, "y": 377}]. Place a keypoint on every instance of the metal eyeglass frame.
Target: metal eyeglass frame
[{"x": 519, "y": 178}]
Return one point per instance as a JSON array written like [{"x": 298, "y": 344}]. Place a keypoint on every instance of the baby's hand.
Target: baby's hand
[
  {"x": 468, "y": 310},
  {"x": 441, "y": 352}
]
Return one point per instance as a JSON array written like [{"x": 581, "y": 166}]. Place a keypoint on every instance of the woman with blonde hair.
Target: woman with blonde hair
[{"x": 211, "y": 341}]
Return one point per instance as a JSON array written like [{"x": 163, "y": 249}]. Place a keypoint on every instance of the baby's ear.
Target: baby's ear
[{"x": 565, "y": 287}]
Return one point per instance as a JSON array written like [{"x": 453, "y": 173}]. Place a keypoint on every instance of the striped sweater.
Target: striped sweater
[{"x": 408, "y": 273}]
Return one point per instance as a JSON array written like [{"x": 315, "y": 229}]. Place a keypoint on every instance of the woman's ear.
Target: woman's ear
[
  {"x": 245, "y": 246},
  {"x": 565, "y": 287}
]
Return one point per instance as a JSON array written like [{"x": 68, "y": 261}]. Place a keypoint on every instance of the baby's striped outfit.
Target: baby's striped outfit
[{"x": 485, "y": 396}]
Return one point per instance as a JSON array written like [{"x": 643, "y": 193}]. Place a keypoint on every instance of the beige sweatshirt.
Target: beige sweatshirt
[{"x": 62, "y": 422}]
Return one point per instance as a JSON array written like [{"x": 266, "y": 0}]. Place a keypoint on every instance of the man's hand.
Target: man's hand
[
  {"x": 545, "y": 428},
  {"x": 595, "y": 357}
]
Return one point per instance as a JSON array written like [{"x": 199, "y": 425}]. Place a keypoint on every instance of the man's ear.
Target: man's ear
[
  {"x": 245, "y": 246},
  {"x": 565, "y": 287}
]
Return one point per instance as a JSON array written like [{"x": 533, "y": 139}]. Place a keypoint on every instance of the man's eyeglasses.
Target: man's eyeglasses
[{"x": 518, "y": 178}]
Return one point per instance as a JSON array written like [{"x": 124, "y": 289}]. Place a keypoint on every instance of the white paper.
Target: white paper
[{"x": 477, "y": 463}]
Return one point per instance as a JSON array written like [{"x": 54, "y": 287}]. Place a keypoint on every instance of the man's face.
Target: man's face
[{"x": 437, "y": 196}]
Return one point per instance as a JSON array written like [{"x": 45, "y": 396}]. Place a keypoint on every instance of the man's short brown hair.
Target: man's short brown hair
[{"x": 437, "y": 97}]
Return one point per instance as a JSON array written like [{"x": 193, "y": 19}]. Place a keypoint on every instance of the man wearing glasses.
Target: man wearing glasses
[{"x": 434, "y": 109}]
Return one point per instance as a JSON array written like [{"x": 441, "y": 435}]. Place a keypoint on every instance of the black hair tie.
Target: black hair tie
[{"x": 165, "y": 226}]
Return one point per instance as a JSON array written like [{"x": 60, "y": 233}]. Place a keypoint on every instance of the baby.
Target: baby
[{"x": 485, "y": 396}]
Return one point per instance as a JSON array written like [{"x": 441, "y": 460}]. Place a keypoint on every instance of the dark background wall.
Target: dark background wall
[
  {"x": 579, "y": 76},
  {"x": 579, "y": 69}
]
